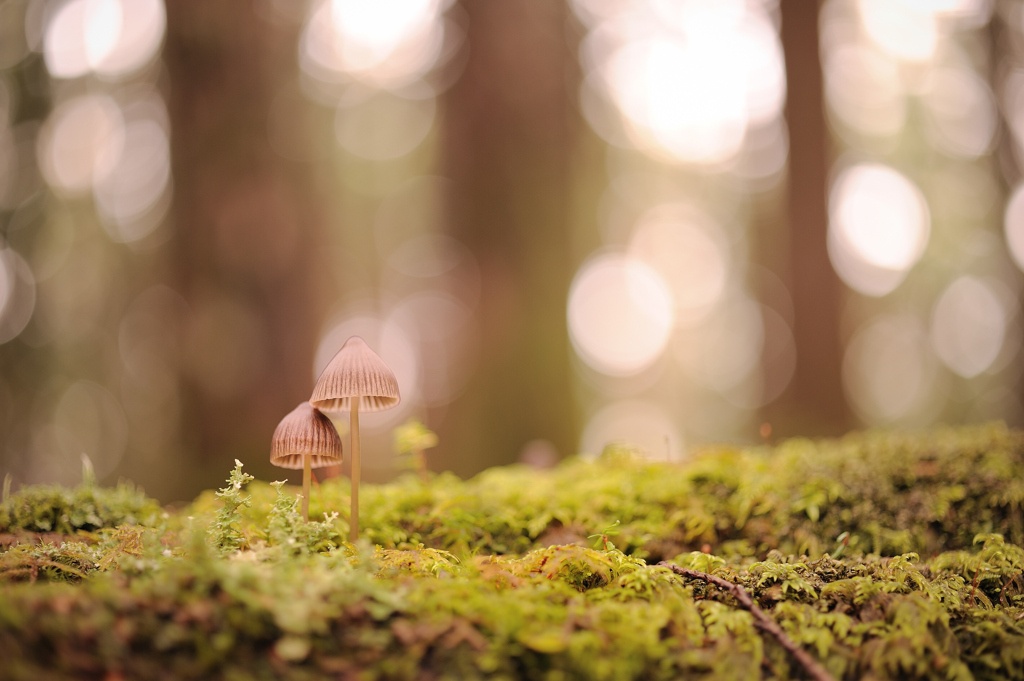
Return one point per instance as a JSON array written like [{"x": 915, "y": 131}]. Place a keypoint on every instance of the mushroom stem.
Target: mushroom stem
[
  {"x": 353, "y": 415},
  {"x": 307, "y": 472}
]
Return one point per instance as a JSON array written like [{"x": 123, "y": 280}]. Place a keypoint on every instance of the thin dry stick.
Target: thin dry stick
[{"x": 813, "y": 667}]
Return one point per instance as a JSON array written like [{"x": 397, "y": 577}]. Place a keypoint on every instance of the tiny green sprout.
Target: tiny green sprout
[
  {"x": 411, "y": 438},
  {"x": 601, "y": 540},
  {"x": 843, "y": 541},
  {"x": 88, "y": 472}
]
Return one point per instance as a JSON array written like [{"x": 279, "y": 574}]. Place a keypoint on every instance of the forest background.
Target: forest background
[{"x": 563, "y": 224}]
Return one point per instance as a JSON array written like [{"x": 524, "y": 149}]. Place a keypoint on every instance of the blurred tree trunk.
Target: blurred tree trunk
[
  {"x": 814, "y": 403},
  {"x": 508, "y": 137},
  {"x": 248, "y": 233}
]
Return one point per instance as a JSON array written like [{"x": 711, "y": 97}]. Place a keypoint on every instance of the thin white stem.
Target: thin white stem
[
  {"x": 353, "y": 414},
  {"x": 307, "y": 472}
]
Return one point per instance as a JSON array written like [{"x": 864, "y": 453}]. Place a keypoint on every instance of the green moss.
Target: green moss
[
  {"x": 885, "y": 493},
  {"x": 56, "y": 509},
  {"x": 462, "y": 583}
]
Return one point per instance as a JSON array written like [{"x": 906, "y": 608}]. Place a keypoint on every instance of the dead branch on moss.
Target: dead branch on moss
[{"x": 813, "y": 667}]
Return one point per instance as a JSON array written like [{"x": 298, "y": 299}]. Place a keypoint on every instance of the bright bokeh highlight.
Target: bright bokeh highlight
[
  {"x": 968, "y": 326},
  {"x": 81, "y": 143},
  {"x": 387, "y": 43},
  {"x": 689, "y": 252},
  {"x": 688, "y": 78},
  {"x": 1013, "y": 226},
  {"x": 112, "y": 38},
  {"x": 878, "y": 228},
  {"x": 888, "y": 369},
  {"x": 620, "y": 314}
]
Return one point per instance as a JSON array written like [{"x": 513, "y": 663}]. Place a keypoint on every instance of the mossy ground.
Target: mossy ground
[{"x": 884, "y": 555}]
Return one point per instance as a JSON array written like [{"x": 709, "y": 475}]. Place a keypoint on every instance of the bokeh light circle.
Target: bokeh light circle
[
  {"x": 620, "y": 314},
  {"x": 968, "y": 326},
  {"x": 110, "y": 37},
  {"x": 879, "y": 226},
  {"x": 1013, "y": 225},
  {"x": 888, "y": 369},
  {"x": 81, "y": 143},
  {"x": 17, "y": 294},
  {"x": 639, "y": 425},
  {"x": 689, "y": 251}
]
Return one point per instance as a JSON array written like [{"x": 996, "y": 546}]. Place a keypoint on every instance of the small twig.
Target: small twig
[{"x": 813, "y": 667}]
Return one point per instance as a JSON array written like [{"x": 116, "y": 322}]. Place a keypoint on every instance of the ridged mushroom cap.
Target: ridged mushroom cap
[
  {"x": 355, "y": 372},
  {"x": 305, "y": 430}
]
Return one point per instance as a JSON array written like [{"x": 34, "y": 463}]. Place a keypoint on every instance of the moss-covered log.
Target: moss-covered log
[{"x": 924, "y": 581}]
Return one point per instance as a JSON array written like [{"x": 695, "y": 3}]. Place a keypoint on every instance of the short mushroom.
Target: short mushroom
[
  {"x": 305, "y": 439},
  {"x": 357, "y": 379}
]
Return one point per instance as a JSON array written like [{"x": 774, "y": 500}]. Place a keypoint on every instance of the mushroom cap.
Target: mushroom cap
[
  {"x": 356, "y": 372},
  {"x": 305, "y": 431}
]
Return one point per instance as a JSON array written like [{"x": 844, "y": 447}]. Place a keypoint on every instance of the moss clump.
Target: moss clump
[
  {"x": 556, "y": 613},
  {"x": 875, "y": 492},
  {"x": 56, "y": 509},
  {"x": 463, "y": 583}
]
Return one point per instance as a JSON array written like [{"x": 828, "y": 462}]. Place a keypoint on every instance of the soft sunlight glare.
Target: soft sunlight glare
[
  {"x": 902, "y": 28},
  {"x": 138, "y": 180},
  {"x": 17, "y": 294},
  {"x": 1013, "y": 225},
  {"x": 688, "y": 250},
  {"x": 968, "y": 326},
  {"x": 441, "y": 324},
  {"x": 688, "y": 77},
  {"x": 620, "y": 314},
  {"x": 864, "y": 90},
  {"x": 887, "y": 369},
  {"x": 878, "y": 217},
  {"x": 961, "y": 112},
  {"x": 384, "y": 126},
  {"x": 385, "y": 42},
  {"x": 640, "y": 425},
  {"x": 81, "y": 143},
  {"x": 110, "y": 37},
  {"x": 726, "y": 348}
]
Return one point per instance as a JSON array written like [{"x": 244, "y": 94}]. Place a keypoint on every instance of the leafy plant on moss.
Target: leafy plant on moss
[
  {"x": 225, "y": 533},
  {"x": 287, "y": 528}
]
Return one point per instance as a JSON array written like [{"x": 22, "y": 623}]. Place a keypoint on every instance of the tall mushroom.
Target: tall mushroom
[
  {"x": 357, "y": 379},
  {"x": 305, "y": 439}
]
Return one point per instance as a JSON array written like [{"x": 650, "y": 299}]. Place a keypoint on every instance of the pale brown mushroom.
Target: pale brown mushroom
[
  {"x": 357, "y": 379},
  {"x": 305, "y": 439}
]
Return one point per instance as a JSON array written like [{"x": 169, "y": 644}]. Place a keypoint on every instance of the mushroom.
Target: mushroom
[
  {"x": 357, "y": 379},
  {"x": 305, "y": 439}
]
